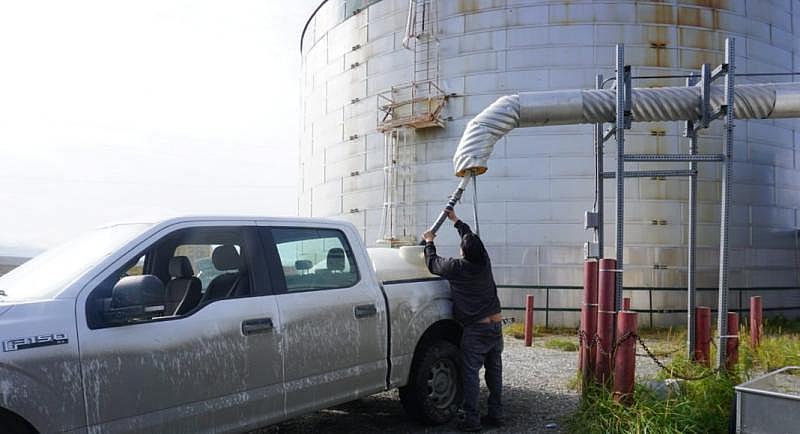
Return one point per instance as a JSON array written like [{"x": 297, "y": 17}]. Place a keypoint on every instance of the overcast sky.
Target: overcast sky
[{"x": 115, "y": 109}]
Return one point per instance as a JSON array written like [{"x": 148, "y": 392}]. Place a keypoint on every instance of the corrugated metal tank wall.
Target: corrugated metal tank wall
[{"x": 540, "y": 179}]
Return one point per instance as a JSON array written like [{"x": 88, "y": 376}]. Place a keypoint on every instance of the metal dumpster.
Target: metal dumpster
[{"x": 770, "y": 403}]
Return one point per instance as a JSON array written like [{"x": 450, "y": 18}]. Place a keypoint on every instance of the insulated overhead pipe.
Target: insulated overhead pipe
[{"x": 569, "y": 107}]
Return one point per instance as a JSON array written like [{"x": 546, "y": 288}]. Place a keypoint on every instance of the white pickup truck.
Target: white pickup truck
[{"x": 220, "y": 324}]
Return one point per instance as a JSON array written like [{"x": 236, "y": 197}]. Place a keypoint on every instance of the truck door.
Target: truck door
[
  {"x": 333, "y": 315},
  {"x": 207, "y": 360}
]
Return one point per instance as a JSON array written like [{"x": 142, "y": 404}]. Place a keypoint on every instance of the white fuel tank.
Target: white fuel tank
[{"x": 404, "y": 263}]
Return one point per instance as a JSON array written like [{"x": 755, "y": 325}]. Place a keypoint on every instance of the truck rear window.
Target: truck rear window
[{"x": 314, "y": 259}]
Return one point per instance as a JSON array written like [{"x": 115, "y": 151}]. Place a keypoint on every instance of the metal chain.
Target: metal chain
[
  {"x": 582, "y": 338},
  {"x": 663, "y": 353},
  {"x": 672, "y": 371},
  {"x": 596, "y": 341}
]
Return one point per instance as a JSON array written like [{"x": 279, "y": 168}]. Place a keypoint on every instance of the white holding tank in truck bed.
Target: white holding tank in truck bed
[{"x": 220, "y": 324}]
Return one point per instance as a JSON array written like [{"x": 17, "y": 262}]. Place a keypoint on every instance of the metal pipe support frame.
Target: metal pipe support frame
[
  {"x": 727, "y": 195},
  {"x": 623, "y": 120}
]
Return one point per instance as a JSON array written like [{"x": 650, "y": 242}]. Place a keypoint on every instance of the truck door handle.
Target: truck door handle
[
  {"x": 365, "y": 311},
  {"x": 257, "y": 325}
]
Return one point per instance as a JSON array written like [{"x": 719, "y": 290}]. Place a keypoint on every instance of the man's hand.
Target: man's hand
[
  {"x": 451, "y": 214},
  {"x": 428, "y": 236}
]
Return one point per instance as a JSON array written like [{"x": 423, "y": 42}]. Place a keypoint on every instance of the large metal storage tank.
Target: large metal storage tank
[{"x": 540, "y": 180}]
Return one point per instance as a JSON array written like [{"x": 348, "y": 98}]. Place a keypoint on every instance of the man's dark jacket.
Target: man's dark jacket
[{"x": 471, "y": 282}]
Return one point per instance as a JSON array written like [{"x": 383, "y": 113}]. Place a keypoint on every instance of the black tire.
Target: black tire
[
  {"x": 433, "y": 393},
  {"x": 10, "y": 423}
]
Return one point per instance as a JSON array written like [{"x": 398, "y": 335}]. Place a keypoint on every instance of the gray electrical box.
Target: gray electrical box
[
  {"x": 591, "y": 250},
  {"x": 769, "y": 403},
  {"x": 591, "y": 220}
]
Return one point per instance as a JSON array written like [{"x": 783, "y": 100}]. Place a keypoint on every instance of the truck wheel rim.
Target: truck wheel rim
[{"x": 442, "y": 383}]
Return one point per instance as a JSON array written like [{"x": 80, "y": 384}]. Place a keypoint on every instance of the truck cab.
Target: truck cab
[{"x": 217, "y": 324}]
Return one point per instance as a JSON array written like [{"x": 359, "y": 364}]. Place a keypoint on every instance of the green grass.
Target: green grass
[
  {"x": 775, "y": 351},
  {"x": 517, "y": 330},
  {"x": 561, "y": 344},
  {"x": 703, "y": 406}
]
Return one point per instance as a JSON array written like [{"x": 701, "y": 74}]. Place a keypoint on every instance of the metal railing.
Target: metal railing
[{"x": 650, "y": 311}]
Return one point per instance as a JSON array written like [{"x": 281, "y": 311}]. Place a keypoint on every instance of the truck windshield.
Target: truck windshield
[{"x": 46, "y": 275}]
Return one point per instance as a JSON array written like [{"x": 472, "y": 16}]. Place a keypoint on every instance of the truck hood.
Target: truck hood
[{"x": 4, "y": 307}]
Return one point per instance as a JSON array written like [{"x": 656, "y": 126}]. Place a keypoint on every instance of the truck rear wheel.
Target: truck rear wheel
[
  {"x": 10, "y": 423},
  {"x": 433, "y": 393}
]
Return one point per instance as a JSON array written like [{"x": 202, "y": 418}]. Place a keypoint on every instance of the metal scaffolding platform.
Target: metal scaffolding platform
[{"x": 415, "y": 105}]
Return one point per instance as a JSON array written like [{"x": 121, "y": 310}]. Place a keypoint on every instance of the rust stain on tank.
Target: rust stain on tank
[
  {"x": 468, "y": 6},
  {"x": 657, "y": 54},
  {"x": 699, "y": 17},
  {"x": 655, "y": 14},
  {"x": 472, "y": 6},
  {"x": 716, "y": 4}
]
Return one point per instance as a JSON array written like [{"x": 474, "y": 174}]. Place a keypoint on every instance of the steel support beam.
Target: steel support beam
[
  {"x": 621, "y": 84},
  {"x": 727, "y": 196},
  {"x": 691, "y": 133},
  {"x": 651, "y": 173},
  {"x": 674, "y": 157},
  {"x": 598, "y": 149}
]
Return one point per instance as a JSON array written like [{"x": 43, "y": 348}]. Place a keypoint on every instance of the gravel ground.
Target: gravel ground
[{"x": 536, "y": 392}]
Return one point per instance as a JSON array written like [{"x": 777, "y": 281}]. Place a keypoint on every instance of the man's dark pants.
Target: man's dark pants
[{"x": 482, "y": 345}]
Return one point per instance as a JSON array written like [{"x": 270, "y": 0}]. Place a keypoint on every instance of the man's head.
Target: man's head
[{"x": 472, "y": 249}]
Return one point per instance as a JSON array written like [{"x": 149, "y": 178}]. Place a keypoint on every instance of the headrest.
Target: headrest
[
  {"x": 336, "y": 259},
  {"x": 180, "y": 267},
  {"x": 225, "y": 257},
  {"x": 141, "y": 290},
  {"x": 303, "y": 264}
]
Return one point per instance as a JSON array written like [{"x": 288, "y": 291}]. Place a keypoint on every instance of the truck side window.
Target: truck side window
[
  {"x": 136, "y": 269},
  {"x": 200, "y": 259},
  {"x": 315, "y": 259},
  {"x": 179, "y": 275}
]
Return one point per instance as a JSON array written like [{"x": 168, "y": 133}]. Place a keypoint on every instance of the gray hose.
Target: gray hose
[
  {"x": 454, "y": 198},
  {"x": 569, "y": 107}
]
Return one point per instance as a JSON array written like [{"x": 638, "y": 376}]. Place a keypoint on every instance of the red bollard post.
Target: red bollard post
[
  {"x": 588, "y": 321},
  {"x": 756, "y": 317},
  {"x": 626, "y": 303},
  {"x": 528, "y": 320},
  {"x": 732, "y": 342},
  {"x": 702, "y": 337},
  {"x": 625, "y": 356},
  {"x": 606, "y": 283}
]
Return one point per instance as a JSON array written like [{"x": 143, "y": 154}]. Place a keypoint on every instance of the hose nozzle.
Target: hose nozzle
[{"x": 454, "y": 198}]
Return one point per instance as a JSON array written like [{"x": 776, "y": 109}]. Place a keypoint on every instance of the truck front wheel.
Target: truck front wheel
[{"x": 433, "y": 393}]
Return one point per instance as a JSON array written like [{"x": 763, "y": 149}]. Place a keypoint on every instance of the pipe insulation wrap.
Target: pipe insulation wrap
[
  {"x": 482, "y": 132},
  {"x": 570, "y": 107}
]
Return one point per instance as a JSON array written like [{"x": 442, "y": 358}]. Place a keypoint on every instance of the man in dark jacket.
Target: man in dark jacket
[{"x": 477, "y": 308}]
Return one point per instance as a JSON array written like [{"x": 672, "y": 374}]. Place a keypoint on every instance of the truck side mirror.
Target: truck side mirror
[{"x": 136, "y": 298}]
